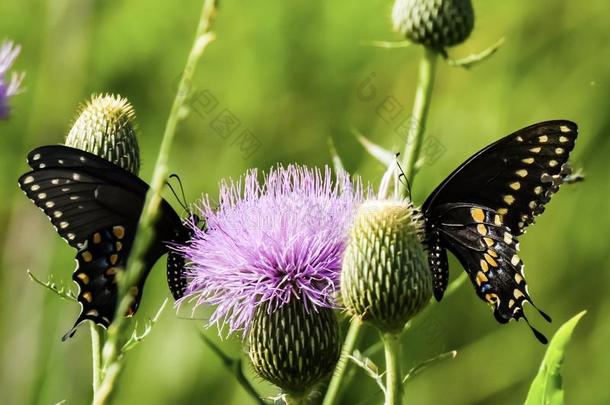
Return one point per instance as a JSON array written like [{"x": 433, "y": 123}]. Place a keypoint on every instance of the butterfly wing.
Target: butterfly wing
[
  {"x": 487, "y": 249},
  {"x": 499, "y": 190},
  {"x": 95, "y": 206},
  {"x": 514, "y": 176}
]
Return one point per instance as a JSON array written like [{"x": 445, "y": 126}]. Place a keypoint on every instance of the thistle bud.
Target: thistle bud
[
  {"x": 294, "y": 348},
  {"x": 105, "y": 127},
  {"x": 434, "y": 23},
  {"x": 385, "y": 278}
]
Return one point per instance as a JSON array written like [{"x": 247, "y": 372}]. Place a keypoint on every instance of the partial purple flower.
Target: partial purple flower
[
  {"x": 272, "y": 242},
  {"x": 9, "y": 84}
]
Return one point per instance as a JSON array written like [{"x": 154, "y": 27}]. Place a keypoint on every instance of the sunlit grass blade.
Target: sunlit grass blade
[{"x": 547, "y": 387}]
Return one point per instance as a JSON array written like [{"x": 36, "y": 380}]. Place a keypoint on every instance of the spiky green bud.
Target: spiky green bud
[
  {"x": 385, "y": 279},
  {"x": 434, "y": 23},
  {"x": 105, "y": 127},
  {"x": 294, "y": 348}
]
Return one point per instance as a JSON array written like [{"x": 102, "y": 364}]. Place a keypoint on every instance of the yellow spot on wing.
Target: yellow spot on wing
[
  {"x": 114, "y": 258},
  {"x": 518, "y": 294},
  {"x": 484, "y": 265},
  {"x": 86, "y": 255},
  {"x": 514, "y": 260},
  {"x": 511, "y": 303},
  {"x": 118, "y": 231},
  {"x": 521, "y": 173},
  {"x": 88, "y": 296},
  {"x": 559, "y": 151},
  {"x": 518, "y": 278},
  {"x": 83, "y": 277},
  {"x": 528, "y": 161},
  {"x": 488, "y": 241},
  {"x": 491, "y": 298},
  {"x": 482, "y": 229},
  {"x": 564, "y": 128},
  {"x": 537, "y": 149},
  {"x": 502, "y": 211},
  {"x": 515, "y": 186},
  {"x": 490, "y": 260},
  {"x": 543, "y": 139},
  {"x": 481, "y": 278},
  {"x": 497, "y": 220},
  {"x": 492, "y": 253},
  {"x": 563, "y": 139},
  {"x": 97, "y": 238},
  {"x": 508, "y": 238},
  {"x": 509, "y": 199},
  {"x": 111, "y": 271},
  {"x": 477, "y": 214},
  {"x": 538, "y": 190}
]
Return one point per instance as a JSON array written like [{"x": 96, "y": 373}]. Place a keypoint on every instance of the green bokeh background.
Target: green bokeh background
[{"x": 290, "y": 72}]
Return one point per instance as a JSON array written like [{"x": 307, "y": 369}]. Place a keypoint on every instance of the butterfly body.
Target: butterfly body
[
  {"x": 95, "y": 206},
  {"x": 480, "y": 210}
]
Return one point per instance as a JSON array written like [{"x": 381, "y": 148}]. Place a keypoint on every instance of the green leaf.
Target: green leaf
[{"x": 547, "y": 387}]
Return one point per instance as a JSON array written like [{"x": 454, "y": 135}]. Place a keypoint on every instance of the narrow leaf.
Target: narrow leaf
[
  {"x": 384, "y": 156},
  {"x": 336, "y": 159},
  {"x": 470, "y": 61},
  {"x": 369, "y": 367},
  {"x": 547, "y": 387},
  {"x": 387, "y": 44},
  {"x": 415, "y": 371}
]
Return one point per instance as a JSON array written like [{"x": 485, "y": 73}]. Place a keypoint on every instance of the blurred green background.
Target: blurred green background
[{"x": 290, "y": 73}]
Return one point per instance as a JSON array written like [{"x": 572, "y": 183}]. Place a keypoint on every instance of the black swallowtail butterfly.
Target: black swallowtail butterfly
[
  {"x": 478, "y": 212},
  {"x": 95, "y": 206}
]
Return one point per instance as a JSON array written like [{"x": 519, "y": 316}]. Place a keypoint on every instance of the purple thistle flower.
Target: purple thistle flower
[
  {"x": 9, "y": 86},
  {"x": 273, "y": 242}
]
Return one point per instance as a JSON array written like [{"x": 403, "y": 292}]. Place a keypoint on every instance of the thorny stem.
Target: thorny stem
[
  {"x": 111, "y": 353},
  {"x": 393, "y": 389},
  {"x": 413, "y": 145},
  {"x": 419, "y": 114},
  {"x": 351, "y": 340}
]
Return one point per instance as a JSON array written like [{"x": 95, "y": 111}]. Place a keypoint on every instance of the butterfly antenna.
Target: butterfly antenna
[
  {"x": 183, "y": 203},
  {"x": 176, "y": 195},
  {"x": 403, "y": 175}
]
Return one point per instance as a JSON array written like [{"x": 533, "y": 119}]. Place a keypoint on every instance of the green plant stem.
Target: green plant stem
[
  {"x": 419, "y": 114},
  {"x": 393, "y": 389},
  {"x": 111, "y": 353},
  {"x": 351, "y": 340},
  {"x": 97, "y": 340},
  {"x": 421, "y": 105}
]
